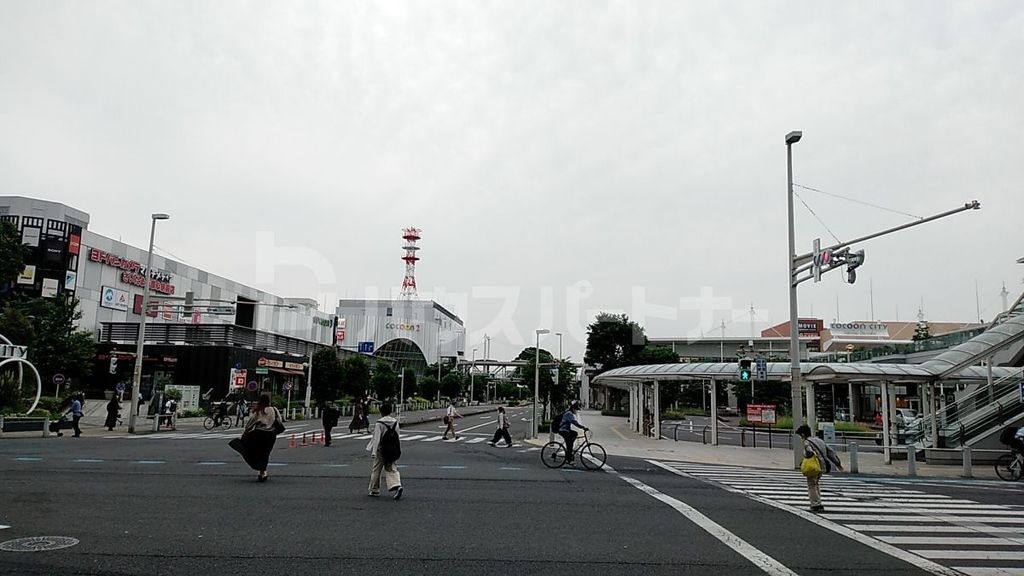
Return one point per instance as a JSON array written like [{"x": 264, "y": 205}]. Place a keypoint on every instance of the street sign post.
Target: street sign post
[
  {"x": 761, "y": 414},
  {"x": 58, "y": 379},
  {"x": 252, "y": 386}
]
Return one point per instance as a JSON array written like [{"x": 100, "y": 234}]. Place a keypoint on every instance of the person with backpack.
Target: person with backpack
[
  {"x": 386, "y": 448},
  {"x": 502, "y": 431},
  {"x": 1013, "y": 437},
  {"x": 330, "y": 420},
  {"x": 819, "y": 459}
]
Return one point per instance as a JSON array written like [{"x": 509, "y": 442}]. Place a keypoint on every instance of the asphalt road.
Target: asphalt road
[{"x": 184, "y": 503}]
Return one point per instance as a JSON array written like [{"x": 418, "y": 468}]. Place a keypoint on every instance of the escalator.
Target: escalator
[{"x": 976, "y": 417}]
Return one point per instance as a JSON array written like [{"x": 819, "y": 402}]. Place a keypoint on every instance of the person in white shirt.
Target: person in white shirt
[
  {"x": 392, "y": 479},
  {"x": 502, "y": 431},
  {"x": 449, "y": 419}
]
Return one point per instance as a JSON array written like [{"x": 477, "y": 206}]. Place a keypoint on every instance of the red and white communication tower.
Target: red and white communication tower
[{"x": 411, "y": 236}]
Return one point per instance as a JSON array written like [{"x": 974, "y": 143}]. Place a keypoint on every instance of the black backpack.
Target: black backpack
[
  {"x": 1006, "y": 436},
  {"x": 390, "y": 448},
  {"x": 556, "y": 423}
]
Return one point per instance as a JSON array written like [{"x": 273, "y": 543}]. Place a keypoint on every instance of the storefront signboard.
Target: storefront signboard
[{"x": 113, "y": 298}]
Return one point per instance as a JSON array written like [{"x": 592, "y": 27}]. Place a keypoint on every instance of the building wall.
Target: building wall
[
  {"x": 303, "y": 322},
  {"x": 381, "y": 321}
]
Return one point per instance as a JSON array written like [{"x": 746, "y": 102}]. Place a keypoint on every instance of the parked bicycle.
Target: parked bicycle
[
  {"x": 211, "y": 422},
  {"x": 590, "y": 454},
  {"x": 1010, "y": 466}
]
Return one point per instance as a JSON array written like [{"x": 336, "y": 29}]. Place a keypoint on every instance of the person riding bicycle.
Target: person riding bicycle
[
  {"x": 221, "y": 412},
  {"x": 1017, "y": 443},
  {"x": 565, "y": 429}
]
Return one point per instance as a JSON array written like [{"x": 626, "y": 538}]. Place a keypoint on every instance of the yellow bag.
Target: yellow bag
[{"x": 810, "y": 467}]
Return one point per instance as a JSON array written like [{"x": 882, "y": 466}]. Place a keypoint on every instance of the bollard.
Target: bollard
[
  {"x": 854, "y": 463},
  {"x": 911, "y": 460},
  {"x": 46, "y": 425},
  {"x": 2, "y": 425},
  {"x": 743, "y": 437},
  {"x": 691, "y": 425},
  {"x": 966, "y": 451},
  {"x": 304, "y": 439}
]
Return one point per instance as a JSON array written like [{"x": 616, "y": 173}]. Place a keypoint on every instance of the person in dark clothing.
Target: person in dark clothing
[
  {"x": 113, "y": 408},
  {"x": 221, "y": 412},
  {"x": 502, "y": 431},
  {"x": 258, "y": 437},
  {"x": 565, "y": 429},
  {"x": 330, "y": 420}
]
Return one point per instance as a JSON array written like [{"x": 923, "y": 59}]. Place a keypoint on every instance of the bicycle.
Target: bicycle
[
  {"x": 1010, "y": 466},
  {"x": 591, "y": 454},
  {"x": 211, "y": 422}
]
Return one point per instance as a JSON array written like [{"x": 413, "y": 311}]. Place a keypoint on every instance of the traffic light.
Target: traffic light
[
  {"x": 853, "y": 261},
  {"x": 745, "y": 373}
]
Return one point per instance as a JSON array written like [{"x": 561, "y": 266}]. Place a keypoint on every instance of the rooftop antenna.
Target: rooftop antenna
[{"x": 411, "y": 236}]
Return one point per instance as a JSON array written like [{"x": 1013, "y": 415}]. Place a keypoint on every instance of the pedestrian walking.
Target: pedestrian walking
[
  {"x": 330, "y": 420},
  {"x": 76, "y": 413},
  {"x": 171, "y": 409},
  {"x": 259, "y": 436},
  {"x": 359, "y": 419},
  {"x": 113, "y": 409},
  {"x": 819, "y": 459},
  {"x": 449, "y": 420},
  {"x": 386, "y": 449},
  {"x": 241, "y": 411},
  {"x": 502, "y": 431}
]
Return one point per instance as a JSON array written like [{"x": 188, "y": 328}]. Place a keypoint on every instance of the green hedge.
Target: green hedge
[{"x": 617, "y": 413}]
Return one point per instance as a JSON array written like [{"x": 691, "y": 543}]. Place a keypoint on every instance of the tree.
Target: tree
[
  {"x": 12, "y": 253},
  {"x": 327, "y": 376},
  {"x": 613, "y": 341},
  {"x": 409, "y": 385},
  {"x": 385, "y": 381},
  {"x": 355, "y": 376},
  {"x": 55, "y": 347},
  {"x": 429, "y": 387},
  {"x": 451, "y": 385},
  {"x": 922, "y": 332}
]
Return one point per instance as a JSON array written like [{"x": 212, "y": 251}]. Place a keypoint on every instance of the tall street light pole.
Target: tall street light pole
[
  {"x": 141, "y": 340},
  {"x": 472, "y": 367},
  {"x": 794, "y": 339},
  {"x": 536, "y": 378}
]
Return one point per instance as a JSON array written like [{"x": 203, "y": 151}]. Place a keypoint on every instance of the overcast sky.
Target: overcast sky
[{"x": 561, "y": 157}]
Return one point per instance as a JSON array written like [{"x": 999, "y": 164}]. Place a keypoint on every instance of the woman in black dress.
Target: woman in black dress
[
  {"x": 258, "y": 438},
  {"x": 113, "y": 407}
]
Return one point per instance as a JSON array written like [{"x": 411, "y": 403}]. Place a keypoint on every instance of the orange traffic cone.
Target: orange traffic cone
[
  {"x": 292, "y": 443},
  {"x": 304, "y": 439}
]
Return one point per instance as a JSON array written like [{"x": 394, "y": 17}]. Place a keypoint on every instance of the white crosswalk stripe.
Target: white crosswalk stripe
[
  {"x": 970, "y": 537},
  {"x": 411, "y": 437}
]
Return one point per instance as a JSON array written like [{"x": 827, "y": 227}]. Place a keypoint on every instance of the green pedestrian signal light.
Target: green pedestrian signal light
[{"x": 745, "y": 373}]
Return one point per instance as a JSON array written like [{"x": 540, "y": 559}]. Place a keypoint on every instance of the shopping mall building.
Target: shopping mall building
[{"x": 233, "y": 333}]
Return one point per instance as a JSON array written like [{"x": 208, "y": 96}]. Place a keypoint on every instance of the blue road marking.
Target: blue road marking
[
  {"x": 150, "y": 462},
  {"x": 28, "y": 459},
  {"x": 88, "y": 460}
]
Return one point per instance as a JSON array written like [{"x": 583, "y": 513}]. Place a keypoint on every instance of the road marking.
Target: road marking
[
  {"x": 475, "y": 440},
  {"x": 336, "y": 465},
  {"x": 28, "y": 459},
  {"x": 971, "y": 554},
  {"x": 149, "y": 462},
  {"x": 277, "y": 464},
  {"x": 966, "y": 529},
  {"x": 364, "y": 437},
  {"x": 2, "y": 527},
  {"x": 453, "y": 467},
  {"x": 416, "y": 437},
  {"x": 433, "y": 439},
  {"x": 616, "y": 430},
  {"x": 493, "y": 423},
  {"x": 934, "y": 518},
  {"x": 989, "y": 571},
  {"x": 212, "y": 463},
  {"x": 947, "y": 541},
  {"x": 824, "y": 522},
  {"x": 88, "y": 460},
  {"x": 509, "y": 468},
  {"x": 758, "y": 558}
]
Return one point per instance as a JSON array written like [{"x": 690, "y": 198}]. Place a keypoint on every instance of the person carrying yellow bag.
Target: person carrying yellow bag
[{"x": 819, "y": 459}]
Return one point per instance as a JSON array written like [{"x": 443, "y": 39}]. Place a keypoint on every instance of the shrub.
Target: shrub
[
  {"x": 675, "y": 415},
  {"x": 618, "y": 413},
  {"x": 191, "y": 413}
]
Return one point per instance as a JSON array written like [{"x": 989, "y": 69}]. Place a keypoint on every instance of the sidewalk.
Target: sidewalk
[{"x": 618, "y": 440}]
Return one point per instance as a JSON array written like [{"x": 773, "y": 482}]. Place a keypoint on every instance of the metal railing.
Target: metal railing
[{"x": 212, "y": 334}]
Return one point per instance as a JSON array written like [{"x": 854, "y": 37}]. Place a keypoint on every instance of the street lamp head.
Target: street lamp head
[
  {"x": 161, "y": 216},
  {"x": 543, "y": 331},
  {"x": 793, "y": 137}
]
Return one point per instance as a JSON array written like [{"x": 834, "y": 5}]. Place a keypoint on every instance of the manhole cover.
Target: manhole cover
[{"x": 38, "y": 544}]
